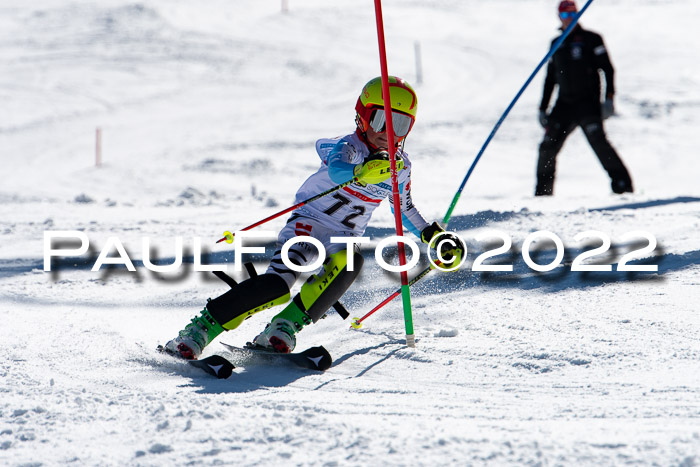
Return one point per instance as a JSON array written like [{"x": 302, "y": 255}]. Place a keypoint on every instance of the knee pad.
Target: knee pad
[
  {"x": 247, "y": 298},
  {"x": 321, "y": 291}
]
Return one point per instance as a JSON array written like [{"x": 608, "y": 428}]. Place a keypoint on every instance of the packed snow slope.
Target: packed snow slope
[{"x": 209, "y": 113}]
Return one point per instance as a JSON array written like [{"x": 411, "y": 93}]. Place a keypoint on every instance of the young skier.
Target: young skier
[{"x": 346, "y": 213}]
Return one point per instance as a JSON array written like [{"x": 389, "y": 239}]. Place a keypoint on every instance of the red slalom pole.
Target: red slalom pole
[{"x": 405, "y": 291}]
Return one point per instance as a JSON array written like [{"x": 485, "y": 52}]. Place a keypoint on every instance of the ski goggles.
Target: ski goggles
[
  {"x": 401, "y": 122},
  {"x": 567, "y": 14}
]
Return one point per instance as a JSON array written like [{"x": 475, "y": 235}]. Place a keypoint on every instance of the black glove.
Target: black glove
[
  {"x": 451, "y": 247},
  {"x": 608, "y": 108},
  {"x": 544, "y": 119}
]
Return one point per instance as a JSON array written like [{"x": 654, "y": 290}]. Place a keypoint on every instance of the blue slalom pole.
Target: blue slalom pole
[
  {"x": 357, "y": 322},
  {"x": 554, "y": 48}
]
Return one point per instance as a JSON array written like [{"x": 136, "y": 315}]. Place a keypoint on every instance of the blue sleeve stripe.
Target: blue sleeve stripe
[
  {"x": 407, "y": 223},
  {"x": 339, "y": 171}
]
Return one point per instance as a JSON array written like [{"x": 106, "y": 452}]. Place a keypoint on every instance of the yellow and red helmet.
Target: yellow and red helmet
[{"x": 370, "y": 106}]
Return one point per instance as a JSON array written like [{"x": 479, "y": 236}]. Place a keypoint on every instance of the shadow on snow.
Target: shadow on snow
[{"x": 522, "y": 276}]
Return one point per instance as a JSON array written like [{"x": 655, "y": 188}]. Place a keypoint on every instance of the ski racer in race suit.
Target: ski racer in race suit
[
  {"x": 346, "y": 213},
  {"x": 574, "y": 67}
]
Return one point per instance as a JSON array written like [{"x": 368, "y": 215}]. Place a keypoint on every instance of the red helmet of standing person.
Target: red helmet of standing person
[{"x": 567, "y": 6}]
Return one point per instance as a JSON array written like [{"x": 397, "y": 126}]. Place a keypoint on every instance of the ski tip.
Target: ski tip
[
  {"x": 215, "y": 365},
  {"x": 318, "y": 358}
]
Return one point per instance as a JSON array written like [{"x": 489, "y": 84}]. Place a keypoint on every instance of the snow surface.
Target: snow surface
[{"x": 209, "y": 112}]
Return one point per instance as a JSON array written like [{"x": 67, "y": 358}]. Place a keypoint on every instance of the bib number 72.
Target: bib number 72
[{"x": 343, "y": 201}]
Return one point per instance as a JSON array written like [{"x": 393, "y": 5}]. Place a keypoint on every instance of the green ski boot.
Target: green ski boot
[{"x": 191, "y": 341}]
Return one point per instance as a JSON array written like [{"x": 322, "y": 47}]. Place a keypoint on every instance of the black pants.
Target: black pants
[{"x": 565, "y": 117}]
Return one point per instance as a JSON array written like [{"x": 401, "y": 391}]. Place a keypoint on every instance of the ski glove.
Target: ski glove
[
  {"x": 544, "y": 119},
  {"x": 376, "y": 168},
  {"x": 608, "y": 108},
  {"x": 451, "y": 247}
]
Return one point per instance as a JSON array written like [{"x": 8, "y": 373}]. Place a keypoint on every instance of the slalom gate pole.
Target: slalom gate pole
[
  {"x": 228, "y": 236},
  {"x": 554, "y": 48},
  {"x": 357, "y": 322},
  {"x": 405, "y": 291}
]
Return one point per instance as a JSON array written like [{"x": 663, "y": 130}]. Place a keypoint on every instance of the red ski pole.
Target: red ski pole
[
  {"x": 357, "y": 322},
  {"x": 228, "y": 236}
]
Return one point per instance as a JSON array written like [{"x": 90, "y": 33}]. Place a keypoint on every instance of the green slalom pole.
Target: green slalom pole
[
  {"x": 448, "y": 214},
  {"x": 405, "y": 290},
  {"x": 408, "y": 315}
]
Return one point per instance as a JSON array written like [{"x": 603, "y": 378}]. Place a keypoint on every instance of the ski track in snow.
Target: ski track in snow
[{"x": 209, "y": 115}]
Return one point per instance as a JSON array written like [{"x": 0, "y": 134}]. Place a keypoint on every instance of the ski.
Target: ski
[
  {"x": 313, "y": 358},
  {"x": 215, "y": 365}
]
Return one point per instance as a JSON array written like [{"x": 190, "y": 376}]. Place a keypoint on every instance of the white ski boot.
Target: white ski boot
[{"x": 278, "y": 336}]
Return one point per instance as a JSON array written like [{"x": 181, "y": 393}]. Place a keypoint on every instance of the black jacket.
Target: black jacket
[{"x": 574, "y": 67}]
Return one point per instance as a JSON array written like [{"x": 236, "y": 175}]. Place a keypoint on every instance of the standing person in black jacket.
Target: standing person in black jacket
[{"x": 574, "y": 67}]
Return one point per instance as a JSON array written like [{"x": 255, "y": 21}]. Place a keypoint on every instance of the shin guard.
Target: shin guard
[{"x": 321, "y": 291}]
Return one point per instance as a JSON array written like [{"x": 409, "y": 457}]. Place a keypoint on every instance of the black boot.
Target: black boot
[{"x": 622, "y": 185}]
